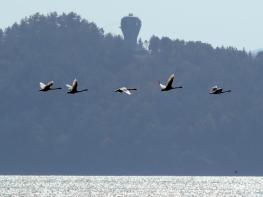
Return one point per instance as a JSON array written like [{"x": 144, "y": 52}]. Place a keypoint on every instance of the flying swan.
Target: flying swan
[
  {"x": 125, "y": 90},
  {"x": 46, "y": 87},
  {"x": 73, "y": 89},
  {"x": 216, "y": 90},
  {"x": 169, "y": 84}
]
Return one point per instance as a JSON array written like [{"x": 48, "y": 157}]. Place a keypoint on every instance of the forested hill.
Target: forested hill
[{"x": 181, "y": 132}]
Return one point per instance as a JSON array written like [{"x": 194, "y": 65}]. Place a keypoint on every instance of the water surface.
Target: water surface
[{"x": 129, "y": 186}]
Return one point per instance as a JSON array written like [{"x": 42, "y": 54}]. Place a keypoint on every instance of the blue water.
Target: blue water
[{"x": 129, "y": 186}]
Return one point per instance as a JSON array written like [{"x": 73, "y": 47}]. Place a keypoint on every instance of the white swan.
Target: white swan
[
  {"x": 125, "y": 90},
  {"x": 46, "y": 87},
  {"x": 216, "y": 90},
  {"x": 169, "y": 84},
  {"x": 74, "y": 87}
]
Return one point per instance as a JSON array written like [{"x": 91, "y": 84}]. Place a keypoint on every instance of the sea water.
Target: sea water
[{"x": 78, "y": 186}]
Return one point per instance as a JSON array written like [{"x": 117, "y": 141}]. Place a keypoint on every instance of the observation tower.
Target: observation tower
[{"x": 130, "y": 26}]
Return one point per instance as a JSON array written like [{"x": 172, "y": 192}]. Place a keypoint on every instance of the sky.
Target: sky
[{"x": 234, "y": 23}]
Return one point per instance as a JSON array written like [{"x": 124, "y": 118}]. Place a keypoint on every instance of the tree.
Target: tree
[{"x": 154, "y": 45}]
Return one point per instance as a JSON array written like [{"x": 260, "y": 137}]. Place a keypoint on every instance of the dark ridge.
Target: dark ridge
[{"x": 186, "y": 132}]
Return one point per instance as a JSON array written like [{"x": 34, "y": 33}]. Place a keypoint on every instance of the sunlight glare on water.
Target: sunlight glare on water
[{"x": 129, "y": 186}]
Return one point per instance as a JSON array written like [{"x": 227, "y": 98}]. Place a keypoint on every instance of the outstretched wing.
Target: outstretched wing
[
  {"x": 162, "y": 86},
  {"x": 50, "y": 83},
  {"x": 69, "y": 86},
  {"x": 214, "y": 88},
  {"x": 74, "y": 85},
  {"x": 127, "y": 92},
  {"x": 42, "y": 85},
  {"x": 170, "y": 81}
]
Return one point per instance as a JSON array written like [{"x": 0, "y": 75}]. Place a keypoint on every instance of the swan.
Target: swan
[
  {"x": 46, "y": 87},
  {"x": 169, "y": 84},
  {"x": 74, "y": 88},
  {"x": 216, "y": 90},
  {"x": 125, "y": 90}
]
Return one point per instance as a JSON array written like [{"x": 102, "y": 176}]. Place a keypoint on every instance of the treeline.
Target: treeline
[{"x": 100, "y": 132}]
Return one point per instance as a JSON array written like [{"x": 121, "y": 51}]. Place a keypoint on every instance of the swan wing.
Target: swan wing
[
  {"x": 42, "y": 85},
  {"x": 170, "y": 81},
  {"x": 214, "y": 88},
  {"x": 69, "y": 86},
  {"x": 75, "y": 85},
  {"x": 50, "y": 83},
  {"x": 127, "y": 92},
  {"x": 162, "y": 86}
]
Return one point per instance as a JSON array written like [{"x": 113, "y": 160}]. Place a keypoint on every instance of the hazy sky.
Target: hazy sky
[{"x": 219, "y": 22}]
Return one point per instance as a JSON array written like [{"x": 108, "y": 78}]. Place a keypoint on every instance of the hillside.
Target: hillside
[{"x": 181, "y": 132}]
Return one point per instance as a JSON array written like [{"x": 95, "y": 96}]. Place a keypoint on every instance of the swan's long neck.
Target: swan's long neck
[
  {"x": 226, "y": 91},
  {"x": 82, "y": 90},
  {"x": 177, "y": 87},
  {"x": 55, "y": 88}
]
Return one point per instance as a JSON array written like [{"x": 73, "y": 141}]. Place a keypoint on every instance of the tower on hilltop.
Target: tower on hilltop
[{"x": 130, "y": 26}]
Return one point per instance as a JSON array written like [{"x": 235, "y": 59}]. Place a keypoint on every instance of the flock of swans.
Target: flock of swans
[{"x": 73, "y": 88}]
